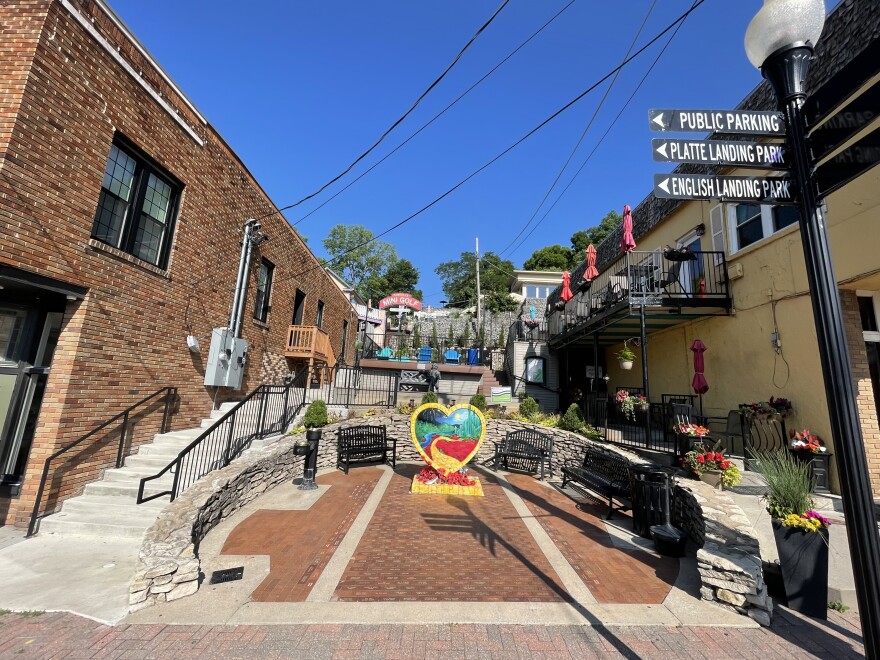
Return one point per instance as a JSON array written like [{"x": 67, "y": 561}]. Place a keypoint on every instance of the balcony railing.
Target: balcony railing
[
  {"x": 309, "y": 342},
  {"x": 660, "y": 278}
]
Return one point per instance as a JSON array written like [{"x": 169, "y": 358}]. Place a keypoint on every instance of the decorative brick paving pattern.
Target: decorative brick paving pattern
[
  {"x": 610, "y": 573},
  {"x": 300, "y": 543},
  {"x": 68, "y": 636},
  {"x": 448, "y": 548}
]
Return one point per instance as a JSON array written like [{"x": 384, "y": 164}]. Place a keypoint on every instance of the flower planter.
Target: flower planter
[
  {"x": 626, "y": 365},
  {"x": 803, "y": 557},
  {"x": 713, "y": 478},
  {"x": 820, "y": 465}
]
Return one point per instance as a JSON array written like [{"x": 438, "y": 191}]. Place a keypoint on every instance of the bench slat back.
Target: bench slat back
[
  {"x": 613, "y": 467},
  {"x": 526, "y": 440},
  {"x": 361, "y": 436}
]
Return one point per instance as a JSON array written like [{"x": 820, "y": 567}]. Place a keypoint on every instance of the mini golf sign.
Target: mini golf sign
[{"x": 400, "y": 300}]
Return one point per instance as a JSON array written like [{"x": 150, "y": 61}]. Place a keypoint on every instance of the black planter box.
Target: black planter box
[
  {"x": 803, "y": 557},
  {"x": 820, "y": 468}
]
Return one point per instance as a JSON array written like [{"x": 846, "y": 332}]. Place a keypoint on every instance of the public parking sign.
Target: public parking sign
[
  {"x": 743, "y": 122},
  {"x": 754, "y": 189}
]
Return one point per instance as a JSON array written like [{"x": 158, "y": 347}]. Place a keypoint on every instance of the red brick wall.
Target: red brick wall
[
  {"x": 864, "y": 387},
  {"x": 127, "y": 338}
]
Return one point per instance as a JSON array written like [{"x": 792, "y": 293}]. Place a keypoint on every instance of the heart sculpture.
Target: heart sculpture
[{"x": 447, "y": 439}]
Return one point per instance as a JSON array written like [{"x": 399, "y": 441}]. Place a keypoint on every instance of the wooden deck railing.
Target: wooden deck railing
[{"x": 309, "y": 342}]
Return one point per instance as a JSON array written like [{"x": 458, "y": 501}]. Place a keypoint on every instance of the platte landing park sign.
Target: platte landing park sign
[
  {"x": 755, "y": 189},
  {"x": 765, "y": 156}
]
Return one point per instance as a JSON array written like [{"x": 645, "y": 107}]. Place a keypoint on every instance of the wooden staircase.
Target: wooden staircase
[{"x": 491, "y": 379}]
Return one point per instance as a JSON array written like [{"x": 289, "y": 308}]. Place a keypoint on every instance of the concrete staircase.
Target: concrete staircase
[{"x": 109, "y": 507}]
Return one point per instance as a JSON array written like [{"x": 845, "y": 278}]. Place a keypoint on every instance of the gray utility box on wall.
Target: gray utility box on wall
[{"x": 226, "y": 359}]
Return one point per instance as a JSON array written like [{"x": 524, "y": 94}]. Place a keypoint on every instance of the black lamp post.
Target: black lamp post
[{"x": 779, "y": 41}]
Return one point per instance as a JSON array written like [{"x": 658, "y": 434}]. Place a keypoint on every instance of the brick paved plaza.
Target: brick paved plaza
[{"x": 362, "y": 568}]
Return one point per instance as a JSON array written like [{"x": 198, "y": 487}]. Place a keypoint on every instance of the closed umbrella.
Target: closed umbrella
[
  {"x": 627, "y": 243},
  {"x": 590, "y": 273},
  {"x": 566, "y": 294},
  {"x": 699, "y": 382}
]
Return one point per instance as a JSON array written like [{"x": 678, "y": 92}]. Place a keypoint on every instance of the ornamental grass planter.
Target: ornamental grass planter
[{"x": 803, "y": 558}]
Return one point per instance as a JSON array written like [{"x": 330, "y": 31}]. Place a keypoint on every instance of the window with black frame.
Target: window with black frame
[
  {"x": 264, "y": 290},
  {"x": 748, "y": 224},
  {"x": 137, "y": 206}
]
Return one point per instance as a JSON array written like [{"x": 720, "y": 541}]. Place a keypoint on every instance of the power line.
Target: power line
[
  {"x": 610, "y": 126},
  {"x": 399, "y": 120},
  {"x": 435, "y": 117},
  {"x": 553, "y": 116},
  {"x": 584, "y": 133}
]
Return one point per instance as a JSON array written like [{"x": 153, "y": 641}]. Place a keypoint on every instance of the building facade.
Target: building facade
[{"x": 121, "y": 211}]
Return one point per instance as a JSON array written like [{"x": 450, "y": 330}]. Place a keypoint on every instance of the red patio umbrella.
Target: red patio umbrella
[
  {"x": 566, "y": 294},
  {"x": 627, "y": 243},
  {"x": 591, "y": 271},
  {"x": 699, "y": 382}
]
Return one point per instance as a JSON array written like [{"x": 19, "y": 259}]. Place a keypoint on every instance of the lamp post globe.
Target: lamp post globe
[{"x": 780, "y": 40}]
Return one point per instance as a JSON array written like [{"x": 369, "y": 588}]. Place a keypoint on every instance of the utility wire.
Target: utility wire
[
  {"x": 470, "y": 176},
  {"x": 399, "y": 120},
  {"x": 435, "y": 117},
  {"x": 583, "y": 134},
  {"x": 610, "y": 126}
]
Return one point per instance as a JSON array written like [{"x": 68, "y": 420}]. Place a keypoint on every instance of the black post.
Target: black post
[
  {"x": 787, "y": 70},
  {"x": 120, "y": 453},
  {"x": 170, "y": 393},
  {"x": 643, "y": 339}
]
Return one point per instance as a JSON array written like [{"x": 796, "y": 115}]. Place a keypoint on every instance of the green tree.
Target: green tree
[
  {"x": 355, "y": 258},
  {"x": 595, "y": 235},
  {"x": 435, "y": 340},
  {"x": 416, "y": 336},
  {"x": 450, "y": 337},
  {"x": 466, "y": 335},
  {"x": 460, "y": 281},
  {"x": 552, "y": 257},
  {"x": 399, "y": 276},
  {"x": 501, "y": 338}
]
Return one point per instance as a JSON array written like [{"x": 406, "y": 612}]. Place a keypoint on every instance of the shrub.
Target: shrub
[
  {"x": 593, "y": 433},
  {"x": 429, "y": 397},
  {"x": 316, "y": 415},
  {"x": 573, "y": 419},
  {"x": 528, "y": 407},
  {"x": 789, "y": 480},
  {"x": 478, "y": 401}
]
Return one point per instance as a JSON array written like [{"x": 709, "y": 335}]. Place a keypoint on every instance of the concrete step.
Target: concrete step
[
  {"x": 125, "y": 489},
  {"x": 120, "y": 506},
  {"x": 154, "y": 462},
  {"x": 97, "y": 524},
  {"x": 177, "y": 437},
  {"x": 134, "y": 474},
  {"x": 166, "y": 451}
]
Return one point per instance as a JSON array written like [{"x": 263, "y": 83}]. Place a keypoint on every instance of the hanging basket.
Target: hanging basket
[
  {"x": 679, "y": 254},
  {"x": 626, "y": 365}
]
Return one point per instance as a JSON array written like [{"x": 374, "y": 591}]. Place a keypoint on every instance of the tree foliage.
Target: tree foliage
[
  {"x": 353, "y": 257},
  {"x": 595, "y": 235},
  {"x": 552, "y": 257},
  {"x": 460, "y": 281},
  {"x": 399, "y": 276}
]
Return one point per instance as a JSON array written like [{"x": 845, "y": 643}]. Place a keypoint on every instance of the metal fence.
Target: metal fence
[{"x": 352, "y": 386}]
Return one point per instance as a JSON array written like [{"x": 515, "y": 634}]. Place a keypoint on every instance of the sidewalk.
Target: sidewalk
[{"x": 69, "y": 636}]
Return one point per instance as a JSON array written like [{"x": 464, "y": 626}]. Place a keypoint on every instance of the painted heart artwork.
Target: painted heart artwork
[{"x": 447, "y": 439}]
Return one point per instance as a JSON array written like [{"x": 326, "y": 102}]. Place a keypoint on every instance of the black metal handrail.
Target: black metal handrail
[
  {"x": 265, "y": 411},
  {"x": 170, "y": 395}
]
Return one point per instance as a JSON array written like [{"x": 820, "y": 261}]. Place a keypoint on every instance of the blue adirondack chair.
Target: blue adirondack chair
[
  {"x": 425, "y": 354},
  {"x": 452, "y": 357},
  {"x": 384, "y": 354}
]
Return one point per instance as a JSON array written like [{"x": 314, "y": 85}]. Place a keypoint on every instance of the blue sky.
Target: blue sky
[{"x": 299, "y": 89}]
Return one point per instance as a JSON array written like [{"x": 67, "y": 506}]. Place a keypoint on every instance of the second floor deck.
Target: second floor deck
[{"x": 671, "y": 285}]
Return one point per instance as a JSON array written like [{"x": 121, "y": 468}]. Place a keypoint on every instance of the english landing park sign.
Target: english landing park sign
[{"x": 736, "y": 153}]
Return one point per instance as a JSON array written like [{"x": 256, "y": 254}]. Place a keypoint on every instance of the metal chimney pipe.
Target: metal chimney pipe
[{"x": 244, "y": 260}]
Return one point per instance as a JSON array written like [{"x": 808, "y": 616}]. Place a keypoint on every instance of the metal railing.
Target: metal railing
[
  {"x": 408, "y": 353},
  {"x": 267, "y": 410},
  {"x": 529, "y": 330},
  {"x": 660, "y": 278},
  {"x": 165, "y": 396},
  {"x": 353, "y": 386}
]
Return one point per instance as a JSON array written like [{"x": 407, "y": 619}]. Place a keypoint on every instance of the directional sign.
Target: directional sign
[
  {"x": 853, "y": 161},
  {"x": 744, "y": 122},
  {"x": 756, "y": 189},
  {"x": 765, "y": 156}
]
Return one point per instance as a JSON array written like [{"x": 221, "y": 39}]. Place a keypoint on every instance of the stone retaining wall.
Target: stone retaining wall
[{"x": 168, "y": 565}]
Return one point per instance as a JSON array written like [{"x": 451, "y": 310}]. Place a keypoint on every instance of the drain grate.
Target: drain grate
[{"x": 227, "y": 575}]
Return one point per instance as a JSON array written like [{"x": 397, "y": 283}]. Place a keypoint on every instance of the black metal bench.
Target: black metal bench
[
  {"x": 364, "y": 444},
  {"x": 522, "y": 450},
  {"x": 604, "y": 472}
]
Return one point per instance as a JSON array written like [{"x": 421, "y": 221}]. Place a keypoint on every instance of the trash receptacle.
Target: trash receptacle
[{"x": 647, "y": 500}]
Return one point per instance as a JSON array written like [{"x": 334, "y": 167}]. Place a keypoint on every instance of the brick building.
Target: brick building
[{"x": 121, "y": 211}]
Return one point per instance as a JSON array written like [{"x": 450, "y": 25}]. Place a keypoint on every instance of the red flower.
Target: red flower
[{"x": 701, "y": 458}]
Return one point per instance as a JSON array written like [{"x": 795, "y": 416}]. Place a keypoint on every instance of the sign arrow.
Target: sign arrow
[
  {"x": 660, "y": 148},
  {"x": 659, "y": 121},
  {"x": 664, "y": 185}
]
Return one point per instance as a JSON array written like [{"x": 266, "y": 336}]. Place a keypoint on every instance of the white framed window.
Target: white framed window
[{"x": 749, "y": 223}]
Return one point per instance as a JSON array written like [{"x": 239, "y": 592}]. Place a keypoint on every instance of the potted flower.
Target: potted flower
[
  {"x": 809, "y": 448},
  {"x": 781, "y": 406},
  {"x": 627, "y": 404},
  {"x": 626, "y": 357},
  {"x": 711, "y": 466},
  {"x": 801, "y": 534},
  {"x": 640, "y": 403}
]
